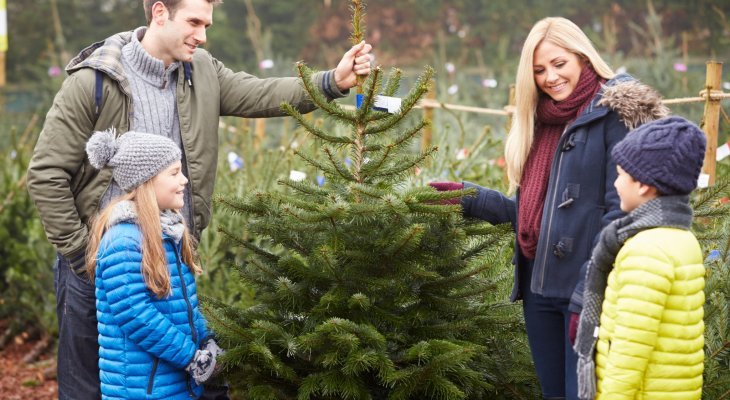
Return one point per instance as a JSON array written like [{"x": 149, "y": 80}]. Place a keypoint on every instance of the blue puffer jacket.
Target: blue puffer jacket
[
  {"x": 581, "y": 198},
  {"x": 145, "y": 343}
]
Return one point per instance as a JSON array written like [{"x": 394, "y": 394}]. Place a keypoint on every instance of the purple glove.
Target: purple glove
[
  {"x": 573, "y": 327},
  {"x": 447, "y": 187}
]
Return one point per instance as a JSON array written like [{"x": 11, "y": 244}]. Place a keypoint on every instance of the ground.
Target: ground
[{"x": 19, "y": 380}]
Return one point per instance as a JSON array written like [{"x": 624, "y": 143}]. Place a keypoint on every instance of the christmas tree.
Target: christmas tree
[
  {"x": 366, "y": 288},
  {"x": 712, "y": 227}
]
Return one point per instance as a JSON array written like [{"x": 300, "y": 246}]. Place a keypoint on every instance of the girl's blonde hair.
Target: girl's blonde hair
[
  {"x": 560, "y": 32},
  {"x": 154, "y": 263}
]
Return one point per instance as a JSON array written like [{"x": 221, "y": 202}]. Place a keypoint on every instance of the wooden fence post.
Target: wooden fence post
[
  {"x": 510, "y": 105},
  {"x": 2, "y": 69},
  {"x": 711, "y": 120},
  {"x": 427, "y": 137},
  {"x": 260, "y": 132}
]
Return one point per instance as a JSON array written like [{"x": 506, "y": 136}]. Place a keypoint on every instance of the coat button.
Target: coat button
[{"x": 559, "y": 249}]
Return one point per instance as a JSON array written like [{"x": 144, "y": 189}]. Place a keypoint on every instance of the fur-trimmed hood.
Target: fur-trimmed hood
[{"x": 635, "y": 102}]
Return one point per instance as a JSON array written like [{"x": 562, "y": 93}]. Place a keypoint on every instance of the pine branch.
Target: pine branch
[
  {"x": 307, "y": 205},
  {"x": 482, "y": 245},
  {"x": 372, "y": 147},
  {"x": 318, "y": 98},
  {"x": 452, "y": 281},
  {"x": 339, "y": 166},
  {"x": 429, "y": 195},
  {"x": 367, "y": 190},
  {"x": 391, "y": 87},
  {"x": 358, "y": 30},
  {"x": 358, "y": 25},
  {"x": 422, "y": 86},
  {"x": 246, "y": 205},
  {"x": 257, "y": 250},
  {"x": 404, "y": 165},
  {"x": 709, "y": 196},
  {"x": 288, "y": 109},
  {"x": 369, "y": 88},
  {"x": 224, "y": 328},
  {"x": 318, "y": 165},
  {"x": 393, "y": 83},
  {"x": 304, "y": 187},
  {"x": 403, "y": 139},
  {"x": 435, "y": 209},
  {"x": 487, "y": 229},
  {"x": 406, "y": 240}
]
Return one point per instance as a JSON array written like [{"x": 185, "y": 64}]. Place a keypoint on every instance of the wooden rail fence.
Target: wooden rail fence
[{"x": 712, "y": 95}]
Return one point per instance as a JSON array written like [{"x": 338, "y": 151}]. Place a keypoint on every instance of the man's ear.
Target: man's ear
[
  {"x": 160, "y": 13},
  {"x": 647, "y": 190}
]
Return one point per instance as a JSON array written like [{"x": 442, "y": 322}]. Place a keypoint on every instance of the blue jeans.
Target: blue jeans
[
  {"x": 78, "y": 347},
  {"x": 547, "y": 321}
]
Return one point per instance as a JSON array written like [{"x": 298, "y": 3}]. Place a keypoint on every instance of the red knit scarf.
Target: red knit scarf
[{"x": 552, "y": 118}]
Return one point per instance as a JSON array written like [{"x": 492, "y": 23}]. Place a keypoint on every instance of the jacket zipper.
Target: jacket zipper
[
  {"x": 185, "y": 293},
  {"x": 184, "y": 288},
  {"x": 151, "y": 382}
]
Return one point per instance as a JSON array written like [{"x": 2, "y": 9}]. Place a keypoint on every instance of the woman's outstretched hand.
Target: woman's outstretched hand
[{"x": 447, "y": 187}]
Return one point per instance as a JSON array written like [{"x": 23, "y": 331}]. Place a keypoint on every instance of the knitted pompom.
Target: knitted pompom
[{"x": 101, "y": 147}]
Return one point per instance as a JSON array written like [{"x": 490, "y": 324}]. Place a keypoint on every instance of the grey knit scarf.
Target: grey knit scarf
[
  {"x": 664, "y": 211},
  {"x": 170, "y": 221}
]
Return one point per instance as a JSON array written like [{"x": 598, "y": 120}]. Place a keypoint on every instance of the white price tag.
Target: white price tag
[
  {"x": 387, "y": 103},
  {"x": 297, "y": 176},
  {"x": 723, "y": 151},
  {"x": 703, "y": 181}
]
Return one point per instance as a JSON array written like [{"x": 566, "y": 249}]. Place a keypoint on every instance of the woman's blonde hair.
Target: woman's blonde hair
[
  {"x": 154, "y": 263},
  {"x": 560, "y": 32}
]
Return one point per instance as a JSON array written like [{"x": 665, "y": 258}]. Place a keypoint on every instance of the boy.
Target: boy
[{"x": 649, "y": 342}]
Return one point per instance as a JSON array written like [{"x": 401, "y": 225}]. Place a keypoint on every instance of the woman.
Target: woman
[{"x": 571, "y": 110}]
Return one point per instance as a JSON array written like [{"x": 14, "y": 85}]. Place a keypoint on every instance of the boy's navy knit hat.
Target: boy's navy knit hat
[
  {"x": 134, "y": 157},
  {"x": 667, "y": 153}
]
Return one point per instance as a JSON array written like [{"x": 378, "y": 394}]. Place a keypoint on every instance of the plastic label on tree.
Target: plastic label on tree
[
  {"x": 382, "y": 103},
  {"x": 723, "y": 151},
  {"x": 297, "y": 176},
  {"x": 703, "y": 181}
]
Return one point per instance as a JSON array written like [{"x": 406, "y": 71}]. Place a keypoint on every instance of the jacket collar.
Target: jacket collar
[
  {"x": 635, "y": 102},
  {"x": 171, "y": 222},
  {"x": 105, "y": 56}
]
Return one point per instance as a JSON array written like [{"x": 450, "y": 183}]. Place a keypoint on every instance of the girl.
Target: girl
[
  {"x": 571, "y": 110},
  {"x": 153, "y": 340}
]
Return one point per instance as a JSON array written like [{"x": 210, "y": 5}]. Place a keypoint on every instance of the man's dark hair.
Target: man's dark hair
[{"x": 171, "y": 6}]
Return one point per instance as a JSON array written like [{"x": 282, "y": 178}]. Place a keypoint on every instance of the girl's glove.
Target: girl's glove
[
  {"x": 212, "y": 346},
  {"x": 202, "y": 366}
]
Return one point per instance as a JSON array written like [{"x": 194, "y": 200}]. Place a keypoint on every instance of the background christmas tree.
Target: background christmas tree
[
  {"x": 367, "y": 288},
  {"x": 712, "y": 227}
]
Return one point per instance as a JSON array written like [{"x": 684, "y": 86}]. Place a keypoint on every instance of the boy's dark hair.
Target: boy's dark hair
[{"x": 171, "y": 5}]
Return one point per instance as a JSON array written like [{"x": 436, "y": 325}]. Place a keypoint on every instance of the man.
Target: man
[{"x": 155, "y": 79}]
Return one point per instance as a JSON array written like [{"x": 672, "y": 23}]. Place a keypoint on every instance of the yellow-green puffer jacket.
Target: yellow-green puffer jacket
[{"x": 650, "y": 343}]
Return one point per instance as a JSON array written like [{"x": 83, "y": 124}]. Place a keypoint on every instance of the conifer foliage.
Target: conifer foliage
[
  {"x": 365, "y": 289},
  {"x": 712, "y": 227}
]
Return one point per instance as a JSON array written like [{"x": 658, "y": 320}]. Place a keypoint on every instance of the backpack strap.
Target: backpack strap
[
  {"x": 98, "y": 91},
  {"x": 187, "y": 68}
]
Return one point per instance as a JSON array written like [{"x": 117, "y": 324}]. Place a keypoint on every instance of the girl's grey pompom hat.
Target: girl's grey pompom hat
[{"x": 134, "y": 157}]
